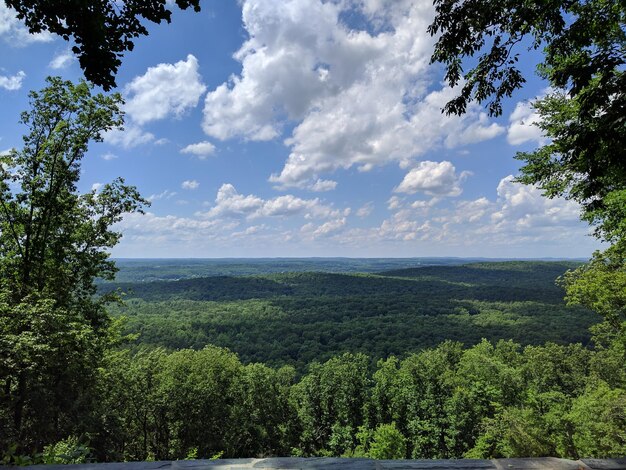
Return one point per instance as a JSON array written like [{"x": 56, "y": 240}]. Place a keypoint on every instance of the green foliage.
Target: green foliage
[
  {"x": 297, "y": 318},
  {"x": 67, "y": 451},
  {"x": 101, "y": 32},
  {"x": 147, "y": 270},
  {"x": 584, "y": 44},
  {"x": 330, "y": 403},
  {"x": 600, "y": 286},
  {"x": 599, "y": 417},
  {"x": 53, "y": 243},
  {"x": 47, "y": 357},
  {"x": 387, "y": 443},
  {"x": 489, "y": 400}
]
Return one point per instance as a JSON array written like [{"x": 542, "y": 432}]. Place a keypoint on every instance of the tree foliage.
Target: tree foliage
[
  {"x": 490, "y": 400},
  {"x": 583, "y": 116},
  {"x": 101, "y": 31},
  {"x": 53, "y": 244}
]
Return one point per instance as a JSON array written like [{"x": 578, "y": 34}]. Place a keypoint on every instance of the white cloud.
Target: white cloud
[
  {"x": 394, "y": 203},
  {"x": 109, "y": 156},
  {"x": 365, "y": 210},
  {"x": 201, "y": 149},
  {"x": 434, "y": 179},
  {"x": 130, "y": 137},
  {"x": 96, "y": 187},
  {"x": 13, "y": 31},
  {"x": 523, "y": 125},
  {"x": 166, "y": 194},
  {"x": 524, "y": 208},
  {"x": 358, "y": 98},
  {"x": 62, "y": 60},
  {"x": 519, "y": 214},
  {"x": 229, "y": 203},
  {"x": 12, "y": 82},
  {"x": 164, "y": 90},
  {"x": 471, "y": 211},
  {"x": 518, "y": 221},
  {"x": 190, "y": 184},
  {"x": 313, "y": 231},
  {"x": 149, "y": 229},
  {"x": 474, "y": 132},
  {"x": 323, "y": 185}
]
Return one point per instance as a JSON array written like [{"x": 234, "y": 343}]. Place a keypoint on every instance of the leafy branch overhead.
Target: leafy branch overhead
[
  {"x": 102, "y": 31},
  {"x": 583, "y": 116},
  {"x": 582, "y": 40}
]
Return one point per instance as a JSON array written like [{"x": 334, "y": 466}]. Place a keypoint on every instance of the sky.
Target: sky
[{"x": 259, "y": 128}]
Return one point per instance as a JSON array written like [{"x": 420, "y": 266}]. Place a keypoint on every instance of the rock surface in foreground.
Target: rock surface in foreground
[{"x": 293, "y": 463}]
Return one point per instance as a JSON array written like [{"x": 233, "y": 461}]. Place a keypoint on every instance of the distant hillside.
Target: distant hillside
[
  {"x": 295, "y": 318},
  {"x": 508, "y": 273},
  {"x": 147, "y": 270}
]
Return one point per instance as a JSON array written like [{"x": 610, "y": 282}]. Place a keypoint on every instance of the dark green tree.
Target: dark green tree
[
  {"x": 584, "y": 52},
  {"x": 102, "y": 31},
  {"x": 53, "y": 244}
]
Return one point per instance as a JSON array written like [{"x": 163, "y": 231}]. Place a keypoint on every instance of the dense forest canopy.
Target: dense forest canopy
[
  {"x": 314, "y": 316},
  {"x": 167, "y": 269}
]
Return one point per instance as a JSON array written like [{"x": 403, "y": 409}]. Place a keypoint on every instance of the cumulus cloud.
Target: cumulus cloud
[
  {"x": 109, "y": 156},
  {"x": 12, "y": 82},
  {"x": 13, "y": 31},
  {"x": 171, "y": 231},
  {"x": 519, "y": 214},
  {"x": 313, "y": 231},
  {"x": 474, "y": 132},
  {"x": 190, "y": 184},
  {"x": 365, "y": 210},
  {"x": 62, "y": 60},
  {"x": 323, "y": 185},
  {"x": 517, "y": 221},
  {"x": 524, "y": 208},
  {"x": 164, "y": 90},
  {"x": 166, "y": 194},
  {"x": 131, "y": 136},
  {"x": 394, "y": 203},
  {"x": 229, "y": 203},
  {"x": 201, "y": 149},
  {"x": 358, "y": 97},
  {"x": 523, "y": 125},
  {"x": 434, "y": 179}
]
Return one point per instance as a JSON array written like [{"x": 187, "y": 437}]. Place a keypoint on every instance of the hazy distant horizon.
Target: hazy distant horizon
[{"x": 199, "y": 258}]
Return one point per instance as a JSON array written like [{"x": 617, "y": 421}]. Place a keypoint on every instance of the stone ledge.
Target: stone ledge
[{"x": 295, "y": 463}]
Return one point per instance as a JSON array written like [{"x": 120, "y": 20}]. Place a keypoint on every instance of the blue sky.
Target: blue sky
[{"x": 304, "y": 128}]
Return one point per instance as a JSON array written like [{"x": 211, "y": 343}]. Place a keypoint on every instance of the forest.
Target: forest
[
  {"x": 384, "y": 360},
  {"x": 168, "y": 269},
  {"x": 309, "y": 317}
]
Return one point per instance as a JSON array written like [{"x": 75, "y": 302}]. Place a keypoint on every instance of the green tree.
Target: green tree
[
  {"x": 387, "y": 443},
  {"x": 102, "y": 31},
  {"x": 599, "y": 416},
  {"x": 53, "y": 243},
  {"x": 584, "y": 53},
  {"x": 330, "y": 402}
]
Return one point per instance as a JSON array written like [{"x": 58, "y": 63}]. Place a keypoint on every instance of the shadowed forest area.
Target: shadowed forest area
[{"x": 314, "y": 316}]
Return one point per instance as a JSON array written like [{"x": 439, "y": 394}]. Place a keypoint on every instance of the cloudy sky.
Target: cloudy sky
[{"x": 304, "y": 128}]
